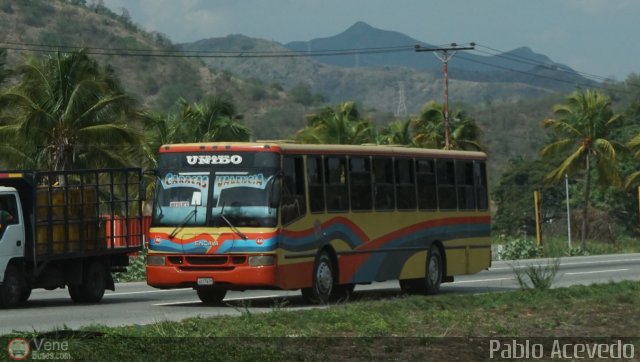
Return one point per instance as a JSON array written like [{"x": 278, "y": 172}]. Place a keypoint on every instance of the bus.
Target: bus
[{"x": 319, "y": 218}]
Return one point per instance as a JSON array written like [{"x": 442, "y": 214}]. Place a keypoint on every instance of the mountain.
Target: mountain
[
  {"x": 520, "y": 65},
  {"x": 378, "y": 79}
]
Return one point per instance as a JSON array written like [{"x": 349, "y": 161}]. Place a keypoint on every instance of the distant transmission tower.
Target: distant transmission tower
[{"x": 401, "y": 111}]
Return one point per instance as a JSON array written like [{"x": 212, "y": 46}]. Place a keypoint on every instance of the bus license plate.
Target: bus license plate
[{"x": 205, "y": 281}]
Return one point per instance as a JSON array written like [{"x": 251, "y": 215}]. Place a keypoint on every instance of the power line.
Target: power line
[
  {"x": 46, "y": 48},
  {"x": 50, "y": 48},
  {"x": 519, "y": 58}
]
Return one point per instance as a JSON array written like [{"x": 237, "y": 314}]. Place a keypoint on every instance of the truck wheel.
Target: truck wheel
[
  {"x": 211, "y": 295},
  {"x": 93, "y": 285},
  {"x": 13, "y": 288},
  {"x": 26, "y": 293}
]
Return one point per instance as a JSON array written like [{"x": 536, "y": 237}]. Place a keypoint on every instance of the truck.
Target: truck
[{"x": 58, "y": 230}]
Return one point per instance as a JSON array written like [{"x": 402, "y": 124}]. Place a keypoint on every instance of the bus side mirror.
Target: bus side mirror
[{"x": 276, "y": 193}]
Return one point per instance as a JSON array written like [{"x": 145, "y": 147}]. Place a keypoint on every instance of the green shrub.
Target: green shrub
[
  {"x": 537, "y": 276},
  {"x": 519, "y": 249},
  {"x": 136, "y": 271}
]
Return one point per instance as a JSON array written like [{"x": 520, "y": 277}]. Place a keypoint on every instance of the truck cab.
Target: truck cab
[{"x": 12, "y": 237}]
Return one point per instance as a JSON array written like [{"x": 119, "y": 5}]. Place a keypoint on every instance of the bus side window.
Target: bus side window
[
  {"x": 383, "y": 190},
  {"x": 445, "y": 173},
  {"x": 293, "y": 205},
  {"x": 480, "y": 172},
  {"x": 465, "y": 185},
  {"x": 427, "y": 193},
  {"x": 405, "y": 184},
  {"x": 315, "y": 178},
  {"x": 336, "y": 181},
  {"x": 360, "y": 183}
]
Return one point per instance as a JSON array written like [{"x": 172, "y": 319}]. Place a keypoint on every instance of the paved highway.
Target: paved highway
[{"x": 137, "y": 303}]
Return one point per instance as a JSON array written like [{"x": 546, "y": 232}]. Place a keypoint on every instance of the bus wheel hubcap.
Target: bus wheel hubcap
[
  {"x": 324, "y": 278},
  {"x": 433, "y": 271}
]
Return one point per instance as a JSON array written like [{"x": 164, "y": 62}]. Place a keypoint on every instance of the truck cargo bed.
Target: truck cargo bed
[{"x": 74, "y": 213}]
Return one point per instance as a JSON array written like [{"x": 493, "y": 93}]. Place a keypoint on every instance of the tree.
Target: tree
[
  {"x": 582, "y": 128},
  {"x": 340, "y": 125},
  {"x": 213, "y": 120},
  {"x": 67, "y": 112},
  {"x": 429, "y": 129},
  {"x": 397, "y": 133}
]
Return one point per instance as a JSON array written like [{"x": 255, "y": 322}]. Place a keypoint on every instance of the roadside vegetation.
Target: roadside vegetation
[{"x": 369, "y": 326}]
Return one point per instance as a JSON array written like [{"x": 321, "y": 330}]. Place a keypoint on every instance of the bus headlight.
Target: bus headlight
[
  {"x": 262, "y": 260},
  {"x": 155, "y": 260}
]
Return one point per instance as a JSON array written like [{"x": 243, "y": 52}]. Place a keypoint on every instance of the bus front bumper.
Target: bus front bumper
[{"x": 190, "y": 271}]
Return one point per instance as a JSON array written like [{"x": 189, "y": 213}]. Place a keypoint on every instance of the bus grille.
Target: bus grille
[{"x": 207, "y": 260}]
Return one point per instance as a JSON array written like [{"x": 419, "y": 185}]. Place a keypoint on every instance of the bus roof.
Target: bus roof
[{"x": 295, "y": 148}]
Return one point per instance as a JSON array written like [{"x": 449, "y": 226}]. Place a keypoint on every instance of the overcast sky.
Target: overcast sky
[{"x": 599, "y": 37}]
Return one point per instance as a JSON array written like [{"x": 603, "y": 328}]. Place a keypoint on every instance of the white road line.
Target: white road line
[
  {"x": 532, "y": 261},
  {"x": 177, "y": 303},
  {"x": 597, "y": 271},
  {"x": 481, "y": 280},
  {"x": 225, "y": 300},
  {"x": 147, "y": 291}
]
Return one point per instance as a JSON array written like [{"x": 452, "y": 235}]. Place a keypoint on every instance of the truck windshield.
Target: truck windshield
[{"x": 243, "y": 196}]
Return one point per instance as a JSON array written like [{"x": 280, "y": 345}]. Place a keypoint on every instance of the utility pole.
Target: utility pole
[{"x": 444, "y": 58}]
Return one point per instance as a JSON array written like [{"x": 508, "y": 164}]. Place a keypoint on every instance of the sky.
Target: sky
[{"x": 599, "y": 37}]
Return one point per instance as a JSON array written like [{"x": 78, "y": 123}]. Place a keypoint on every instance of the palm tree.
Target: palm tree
[
  {"x": 429, "y": 129},
  {"x": 342, "y": 125},
  {"x": 212, "y": 120},
  {"x": 634, "y": 146},
  {"x": 397, "y": 133},
  {"x": 583, "y": 128},
  {"x": 67, "y": 112}
]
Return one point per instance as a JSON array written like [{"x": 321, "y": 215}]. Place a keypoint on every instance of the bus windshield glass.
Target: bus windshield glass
[
  {"x": 243, "y": 198},
  {"x": 200, "y": 198},
  {"x": 181, "y": 199}
]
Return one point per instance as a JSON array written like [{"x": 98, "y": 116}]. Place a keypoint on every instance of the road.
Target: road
[{"x": 137, "y": 303}]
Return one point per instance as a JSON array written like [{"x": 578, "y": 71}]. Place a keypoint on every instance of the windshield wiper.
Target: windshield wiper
[
  {"x": 184, "y": 222},
  {"x": 237, "y": 231}
]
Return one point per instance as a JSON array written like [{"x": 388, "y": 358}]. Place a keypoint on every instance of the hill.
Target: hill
[
  {"x": 158, "y": 81},
  {"x": 274, "y": 93}
]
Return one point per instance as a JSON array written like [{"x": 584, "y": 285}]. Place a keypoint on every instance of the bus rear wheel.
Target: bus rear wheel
[
  {"x": 323, "y": 281},
  {"x": 434, "y": 271},
  {"x": 211, "y": 295},
  {"x": 430, "y": 284}
]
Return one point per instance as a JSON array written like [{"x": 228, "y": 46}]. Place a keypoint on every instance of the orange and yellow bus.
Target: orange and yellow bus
[{"x": 320, "y": 218}]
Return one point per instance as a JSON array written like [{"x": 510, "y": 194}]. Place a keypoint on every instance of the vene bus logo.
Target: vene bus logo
[{"x": 18, "y": 349}]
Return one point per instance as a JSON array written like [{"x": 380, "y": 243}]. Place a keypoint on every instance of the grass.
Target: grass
[{"x": 386, "y": 327}]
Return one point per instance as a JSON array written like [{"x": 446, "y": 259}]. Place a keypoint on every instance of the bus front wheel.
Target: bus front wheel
[
  {"x": 323, "y": 280},
  {"x": 211, "y": 295}
]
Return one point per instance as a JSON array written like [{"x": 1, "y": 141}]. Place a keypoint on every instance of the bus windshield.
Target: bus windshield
[{"x": 199, "y": 198}]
